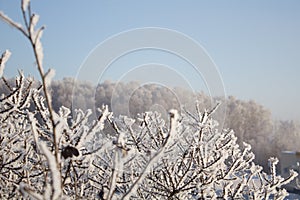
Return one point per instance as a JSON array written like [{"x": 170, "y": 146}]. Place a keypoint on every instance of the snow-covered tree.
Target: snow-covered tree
[{"x": 53, "y": 154}]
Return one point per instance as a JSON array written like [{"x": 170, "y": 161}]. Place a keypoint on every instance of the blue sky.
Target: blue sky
[{"x": 255, "y": 44}]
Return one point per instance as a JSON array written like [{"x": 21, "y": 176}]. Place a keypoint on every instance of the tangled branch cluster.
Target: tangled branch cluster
[{"x": 62, "y": 155}]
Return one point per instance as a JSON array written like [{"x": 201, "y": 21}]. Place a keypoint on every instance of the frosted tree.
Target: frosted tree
[
  {"x": 49, "y": 154},
  {"x": 198, "y": 161},
  {"x": 252, "y": 122},
  {"x": 286, "y": 135},
  {"x": 37, "y": 138}
]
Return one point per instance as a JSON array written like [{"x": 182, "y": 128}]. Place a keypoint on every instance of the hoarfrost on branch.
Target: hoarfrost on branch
[{"x": 62, "y": 155}]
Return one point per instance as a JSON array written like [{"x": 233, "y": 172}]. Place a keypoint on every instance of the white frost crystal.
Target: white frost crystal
[{"x": 5, "y": 56}]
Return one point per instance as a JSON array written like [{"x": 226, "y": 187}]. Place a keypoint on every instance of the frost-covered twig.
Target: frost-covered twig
[
  {"x": 26, "y": 191},
  {"x": 3, "y": 59},
  {"x": 172, "y": 133},
  {"x": 55, "y": 174},
  {"x": 34, "y": 37},
  {"x": 50, "y": 155}
]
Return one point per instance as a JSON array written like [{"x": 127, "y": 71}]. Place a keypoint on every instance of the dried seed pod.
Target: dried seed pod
[{"x": 69, "y": 151}]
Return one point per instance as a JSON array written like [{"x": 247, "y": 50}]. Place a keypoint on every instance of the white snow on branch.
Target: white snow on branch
[
  {"x": 49, "y": 76},
  {"x": 34, "y": 20},
  {"x": 173, "y": 123},
  {"x": 25, "y": 4},
  {"x": 5, "y": 56},
  {"x": 172, "y": 133},
  {"x": 26, "y": 191},
  {"x": 56, "y": 176},
  {"x": 34, "y": 128},
  {"x": 12, "y": 23}
]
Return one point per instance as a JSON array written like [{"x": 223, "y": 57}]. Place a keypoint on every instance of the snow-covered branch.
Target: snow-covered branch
[{"x": 48, "y": 154}]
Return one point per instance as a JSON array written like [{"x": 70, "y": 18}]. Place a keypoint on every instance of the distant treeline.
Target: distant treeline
[{"x": 251, "y": 122}]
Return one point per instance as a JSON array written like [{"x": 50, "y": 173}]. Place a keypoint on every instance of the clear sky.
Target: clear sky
[{"x": 255, "y": 44}]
